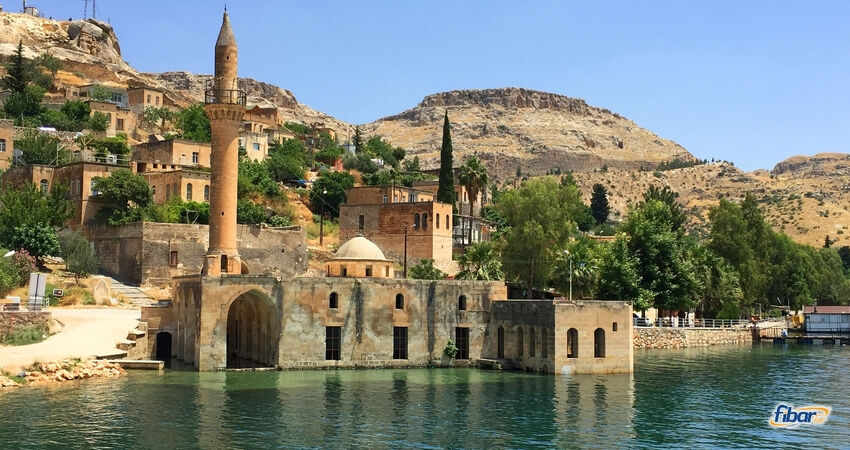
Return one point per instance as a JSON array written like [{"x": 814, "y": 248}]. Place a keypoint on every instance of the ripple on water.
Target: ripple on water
[{"x": 720, "y": 396}]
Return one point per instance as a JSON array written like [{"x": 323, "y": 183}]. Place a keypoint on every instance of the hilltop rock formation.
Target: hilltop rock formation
[{"x": 533, "y": 130}]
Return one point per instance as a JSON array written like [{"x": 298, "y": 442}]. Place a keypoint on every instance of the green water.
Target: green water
[{"x": 720, "y": 396}]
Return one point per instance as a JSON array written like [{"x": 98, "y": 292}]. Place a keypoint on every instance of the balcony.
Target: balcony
[{"x": 216, "y": 93}]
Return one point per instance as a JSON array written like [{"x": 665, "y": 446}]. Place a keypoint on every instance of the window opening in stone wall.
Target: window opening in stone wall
[
  {"x": 544, "y": 342},
  {"x": 361, "y": 222},
  {"x": 500, "y": 348},
  {"x": 333, "y": 301},
  {"x": 448, "y": 222},
  {"x": 332, "y": 343},
  {"x": 614, "y": 326},
  {"x": 343, "y": 271},
  {"x": 399, "y": 301},
  {"x": 189, "y": 191},
  {"x": 368, "y": 271},
  {"x": 437, "y": 221},
  {"x": 207, "y": 193},
  {"x": 399, "y": 342},
  {"x": 519, "y": 347},
  {"x": 172, "y": 258},
  {"x": 416, "y": 220},
  {"x": 224, "y": 263},
  {"x": 424, "y": 221},
  {"x": 461, "y": 303},
  {"x": 572, "y": 343},
  {"x": 532, "y": 342},
  {"x": 599, "y": 343},
  {"x": 462, "y": 342}
]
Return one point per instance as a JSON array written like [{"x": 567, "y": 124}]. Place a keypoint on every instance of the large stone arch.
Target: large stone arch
[{"x": 252, "y": 330}]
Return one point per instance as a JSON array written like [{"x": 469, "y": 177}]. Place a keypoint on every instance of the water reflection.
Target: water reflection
[{"x": 675, "y": 398}]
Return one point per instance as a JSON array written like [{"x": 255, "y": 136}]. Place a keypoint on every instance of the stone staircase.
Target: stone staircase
[
  {"x": 133, "y": 294},
  {"x": 134, "y": 346}
]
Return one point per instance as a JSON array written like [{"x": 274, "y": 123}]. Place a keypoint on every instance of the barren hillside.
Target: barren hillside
[{"x": 534, "y": 130}]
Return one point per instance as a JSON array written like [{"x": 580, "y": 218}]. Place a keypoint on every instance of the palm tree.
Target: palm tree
[
  {"x": 473, "y": 176},
  {"x": 480, "y": 262}
]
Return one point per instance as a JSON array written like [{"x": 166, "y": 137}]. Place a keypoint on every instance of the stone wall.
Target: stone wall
[
  {"x": 653, "y": 338},
  {"x": 9, "y": 320},
  {"x": 152, "y": 253}
]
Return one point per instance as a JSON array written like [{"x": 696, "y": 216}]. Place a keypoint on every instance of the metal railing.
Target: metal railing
[
  {"x": 676, "y": 322},
  {"x": 216, "y": 93}
]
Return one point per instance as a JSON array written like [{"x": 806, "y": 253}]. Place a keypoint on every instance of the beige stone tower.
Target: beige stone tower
[{"x": 225, "y": 106}]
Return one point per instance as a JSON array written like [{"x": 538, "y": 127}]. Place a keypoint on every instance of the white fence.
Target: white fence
[{"x": 677, "y": 322}]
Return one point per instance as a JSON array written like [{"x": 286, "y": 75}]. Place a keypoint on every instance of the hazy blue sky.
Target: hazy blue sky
[{"x": 749, "y": 81}]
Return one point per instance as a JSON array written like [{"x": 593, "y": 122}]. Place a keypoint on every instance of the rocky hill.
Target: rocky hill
[
  {"x": 536, "y": 131},
  {"x": 90, "y": 53}
]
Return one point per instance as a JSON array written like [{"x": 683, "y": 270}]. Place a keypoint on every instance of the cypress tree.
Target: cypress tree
[
  {"x": 17, "y": 77},
  {"x": 446, "y": 191},
  {"x": 599, "y": 203}
]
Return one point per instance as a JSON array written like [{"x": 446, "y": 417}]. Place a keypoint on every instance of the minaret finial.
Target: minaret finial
[{"x": 225, "y": 7}]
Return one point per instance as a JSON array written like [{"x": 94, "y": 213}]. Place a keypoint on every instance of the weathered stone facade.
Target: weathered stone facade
[
  {"x": 10, "y": 320},
  {"x": 151, "y": 253},
  {"x": 654, "y": 338}
]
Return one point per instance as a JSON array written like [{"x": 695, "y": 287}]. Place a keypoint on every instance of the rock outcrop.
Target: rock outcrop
[{"x": 537, "y": 132}]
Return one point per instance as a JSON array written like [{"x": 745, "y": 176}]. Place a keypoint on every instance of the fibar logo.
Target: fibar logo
[{"x": 786, "y": 416}]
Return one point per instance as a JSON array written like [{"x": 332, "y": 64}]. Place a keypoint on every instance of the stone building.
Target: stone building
[
  {"x": 7, "y": 144},
  {"x": 151, "y": 254},
  {"x": 170, "y": 154},
  {"x": 118, "y": 119},
  {"x": 232, "y": 315}
]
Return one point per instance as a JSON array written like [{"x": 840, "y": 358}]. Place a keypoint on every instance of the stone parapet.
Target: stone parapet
[{"x": 654, "y": 338}]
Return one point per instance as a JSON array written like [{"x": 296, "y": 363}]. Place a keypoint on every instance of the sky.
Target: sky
[{"x": 752, "y": 82}]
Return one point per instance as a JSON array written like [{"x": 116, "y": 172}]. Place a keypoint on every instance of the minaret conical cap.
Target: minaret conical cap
[{"x": 225, "y": 36}]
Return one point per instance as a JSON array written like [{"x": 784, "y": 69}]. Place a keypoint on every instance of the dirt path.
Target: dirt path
[{"x": 87, "y": 332}]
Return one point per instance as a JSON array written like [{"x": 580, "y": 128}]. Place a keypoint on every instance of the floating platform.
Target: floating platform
[{"x": 814, "y": 340}]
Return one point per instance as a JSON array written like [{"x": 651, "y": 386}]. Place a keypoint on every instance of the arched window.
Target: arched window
[
  {"x": 176, "y": 190},
  {"x": 437, "y": 221},
  {"x": 532, "y": 341},
  {"x": 599, "y": 343},
  {"x": 333, "y": 301},
  {"x": 544, "y": 342},
  {"x": 399, "y": 301},
  {"x": 461, "y": 303},
  {"x": 448, "y": 222},
  {"x": 43, "y": 185},
  {"x": 500, "y": 349},
  {"x": 188, "y": 191},
  {"x": 207, "y": 193},
  {"x": 416, "y": 221},
  {"x": 424, "y": 221},
  {"x": 153, "y": 190},
  {"x": 519, "y": 349},
  {"x": 167, "y": 191},
  {"x": 572, "y": 343}
]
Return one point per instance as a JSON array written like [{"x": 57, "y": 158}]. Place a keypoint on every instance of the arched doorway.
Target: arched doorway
[
  {"x": 252, "y": 332},
  {"x": 163, "y": 347}
]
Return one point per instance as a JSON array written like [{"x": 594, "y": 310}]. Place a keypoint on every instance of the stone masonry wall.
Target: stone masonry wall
[
  {"x": 653, "y": 338},
  {"x": 9, "y": 320}
]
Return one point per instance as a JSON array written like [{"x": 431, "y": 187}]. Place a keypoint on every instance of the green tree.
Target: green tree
[
  {"x": 29, "y": 206},
  {"x": 287, "y": 160},
  {"x": 586, "y": 260},
  {"x": 100, "y": 93},
  {"x": 249, "y": 212},
  {"x": 424, "y": 269},
  {"x": 10, "y": 278},
  {"x": 98, "y": 121},
  {"x": 78, "y": 113},
  {"x": 329, "y": 189},
  {"x": 358, "y": 140},
  {"x": 446, "y": 189},
  {"x": 664, "y": 254},
  {"x": 18, "y": 71},
  {"x": 540, "y": 217},
  {"x": 361, "y": 162},
  {"x": 158, "y": 117},
  {"x": 79, "y": 255},
  {"x": 599, "y": 203},
  {"x": 473, "y": 176},
  {"x": 194, "y": 123},
  {"x": 669, "y": 198},
  {"x": 24, "y": 104},
  {"x": 254, "y": 178},
  {"x": 39, "y": 240},
  {"x": 126, "y": 195},
  {"x": 480, "y": 262},
  {"x": 41, "y": 148},
  {"x": 412, "y": 165},
  {"x": 619, "y": 275}
]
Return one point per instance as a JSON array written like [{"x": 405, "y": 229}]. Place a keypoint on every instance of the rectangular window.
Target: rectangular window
[
  {"x": 119, "y": 124},
  {"x": 368, "y": 271},
  {"x": 399, "y": 342},
  {"x": 385, "y": 198},
  {"x": 257, "y": 146},
  {"x": 332, "y": 343},
  {"x": 195, "y": 157},
  {"x": 343, "y": 271},
  {"x": 172, "y": 258},
  {"x": 614, "y": 327},
  {"x": 149, "y": 99},
  {"x": 361, "y": 222},
  {"x": 157, "y": 100},
  {"x": 462, "y": 342},
  {"x": 2, "y": 145},
  {"x": 116, "y": 97}
]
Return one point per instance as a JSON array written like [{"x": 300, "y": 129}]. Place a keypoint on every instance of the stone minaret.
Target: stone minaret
[{"x": 225, "y": 106}]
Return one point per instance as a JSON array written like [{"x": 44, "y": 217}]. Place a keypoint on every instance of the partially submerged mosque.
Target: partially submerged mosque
[{"x": 359, "y": 314}]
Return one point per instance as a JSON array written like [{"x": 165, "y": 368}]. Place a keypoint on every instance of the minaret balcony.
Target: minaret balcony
[{"x": 217, "y": 93}]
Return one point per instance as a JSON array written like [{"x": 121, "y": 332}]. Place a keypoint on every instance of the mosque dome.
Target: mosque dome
[{"x": 360, "y": 248}]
